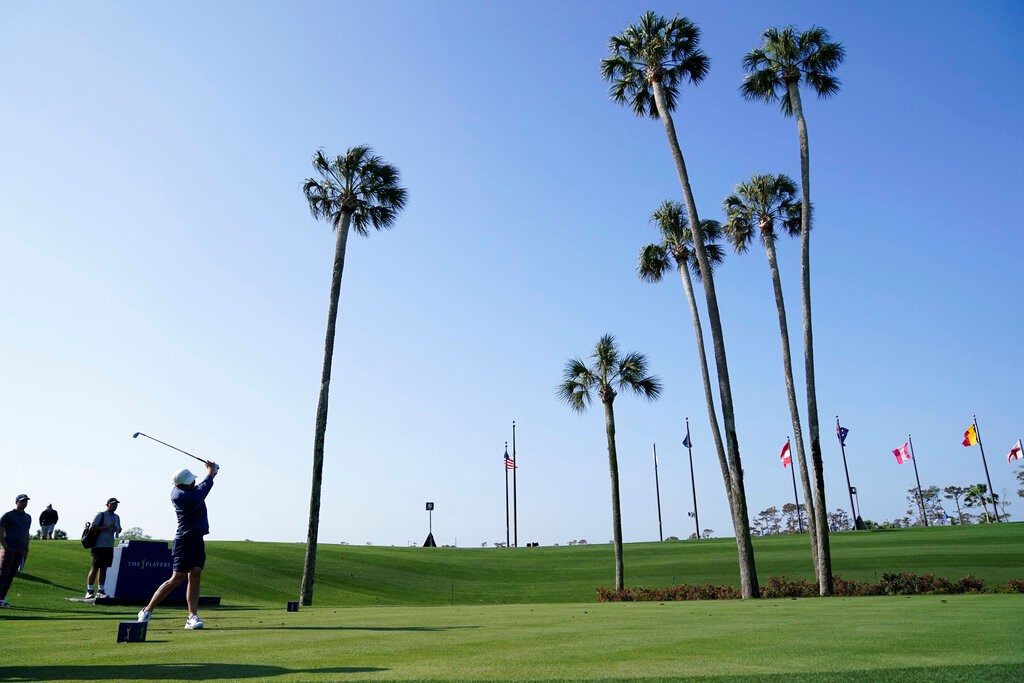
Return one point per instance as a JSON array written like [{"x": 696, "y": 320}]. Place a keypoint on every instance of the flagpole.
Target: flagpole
[
  {"x": 920, "y": 495},
  {"x": 693, "y": 483},
  {"x": 992, "y": 491},
  {"x": 505, "y": 467},
  {"x": 515, "y": 508},
  {"x": 657, "y": 491},
  {"x": 849, "y": 488},
  {"x": 796, "y": 498}
]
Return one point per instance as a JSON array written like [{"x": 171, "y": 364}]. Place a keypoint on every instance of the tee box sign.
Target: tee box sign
[
  {"x": 132, "y": 632},
  {"x": 138, "y": 570}
]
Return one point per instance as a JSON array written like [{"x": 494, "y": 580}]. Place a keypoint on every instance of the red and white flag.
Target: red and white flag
[
  {"x": 902, "y": 454},
  {"x": 1016, "y": 453},
  {"x": 785, "y": 457}
]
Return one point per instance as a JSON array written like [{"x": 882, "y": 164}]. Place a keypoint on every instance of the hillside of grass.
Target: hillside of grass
[{"x": 248, "y": 573}]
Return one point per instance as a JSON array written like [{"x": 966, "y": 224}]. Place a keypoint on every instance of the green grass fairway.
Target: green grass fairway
[
  {"x": 925, "y": 638},
  {"x": 452, "y": 614}
]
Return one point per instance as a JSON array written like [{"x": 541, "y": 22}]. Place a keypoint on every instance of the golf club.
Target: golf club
[{"x": 138, "y": 434}]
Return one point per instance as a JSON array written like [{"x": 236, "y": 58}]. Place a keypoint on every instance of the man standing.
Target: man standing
[
  {"x": 188, "y": 553},
  {"x": 108, "y": 524},
  {"x": 47, "y": 520},
  {"x": 14, "y": 526}
]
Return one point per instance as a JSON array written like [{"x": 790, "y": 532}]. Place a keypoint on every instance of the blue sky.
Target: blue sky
[{"x": 160, "y": 270}]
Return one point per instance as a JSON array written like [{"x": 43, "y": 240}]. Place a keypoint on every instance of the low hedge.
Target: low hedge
[{"x": 903, "y": 583}]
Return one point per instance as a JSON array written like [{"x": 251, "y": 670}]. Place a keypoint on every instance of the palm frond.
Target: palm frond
[
  {"x": 715, "y": 254},
  {"x": 739, "y": 220},
  {"x": 824, "y": 85},
  {"x": 577, "y": 383},
  {"x": 819, "y": 52},
  {"x": 763, "y": 84},
  {"x": 606, "y": 357},
  {"x": 670, "y": 217},
  {"x": 710, "y": 232},
  {"x": 653, "y": 263}
]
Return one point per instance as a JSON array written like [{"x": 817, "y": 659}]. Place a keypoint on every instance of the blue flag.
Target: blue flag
[
  {"x": 841, "y": 432},
  {"x": 686, "y": 440}
]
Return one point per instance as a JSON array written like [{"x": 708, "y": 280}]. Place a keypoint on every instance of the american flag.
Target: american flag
[{"x": 510, "y": 464}]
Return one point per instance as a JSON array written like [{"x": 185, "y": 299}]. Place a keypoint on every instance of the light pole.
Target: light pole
[{"x": 429, "y": 543}]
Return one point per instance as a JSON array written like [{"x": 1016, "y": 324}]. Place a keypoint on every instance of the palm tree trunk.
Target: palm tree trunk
[
  {"x": 824, "y": 556},
  {"x": 709, "y": 396},
  {"x": 794, "y": 409},
  {"x": 309, "y": 565},
  {"x": 740, "y": 518},
  {"x": 613, "y": 471}
]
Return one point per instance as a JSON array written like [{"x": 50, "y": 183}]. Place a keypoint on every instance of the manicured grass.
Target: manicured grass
[
  {"x": 269, "y": 573},
  {"x": 933, "y": 638},
  {"x": 384, "y": 613}
]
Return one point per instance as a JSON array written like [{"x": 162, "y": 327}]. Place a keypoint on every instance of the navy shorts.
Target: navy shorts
[
  {"x": 188, "y": 554},
  {"x": 102, "y": 557}
]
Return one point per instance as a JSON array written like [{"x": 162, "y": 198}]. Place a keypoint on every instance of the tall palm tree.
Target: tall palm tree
[
  {"x": 610, "y": 374},
  {"x": 775, "y": 72},
  {"x": 676, "y": 249},
  {"x": 762, "y": 207},
  {"x": 648, "y": 63},
  {"x": 358, "y": 190}
]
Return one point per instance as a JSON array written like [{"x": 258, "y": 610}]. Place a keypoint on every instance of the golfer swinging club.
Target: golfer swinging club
[{"x": 188, "y": 553}]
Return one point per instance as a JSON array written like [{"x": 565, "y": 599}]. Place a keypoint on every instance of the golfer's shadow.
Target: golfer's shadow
[{"x": 185, "y": 672}]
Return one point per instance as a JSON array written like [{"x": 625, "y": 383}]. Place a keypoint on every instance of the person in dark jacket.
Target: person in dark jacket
[{"x": 47, "y": 520}]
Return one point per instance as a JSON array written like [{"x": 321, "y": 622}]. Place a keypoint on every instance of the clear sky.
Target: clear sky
[{"x": 160, "y": 271}]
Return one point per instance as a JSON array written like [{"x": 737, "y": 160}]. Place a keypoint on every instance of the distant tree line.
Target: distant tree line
[{"x": 973, "y": 504}]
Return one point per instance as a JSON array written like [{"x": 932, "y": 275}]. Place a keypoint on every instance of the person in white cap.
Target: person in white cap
[
  {"x": 188, "y": 553},
  {"x": 109, "y": 525},
  {"x": 14, "y": 527}
]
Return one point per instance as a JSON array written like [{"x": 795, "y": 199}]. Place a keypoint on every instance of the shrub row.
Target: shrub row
[{"x": 781, "y": 587}]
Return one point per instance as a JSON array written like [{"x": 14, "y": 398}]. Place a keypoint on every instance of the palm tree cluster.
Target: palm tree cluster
[{"x": 648, "y": 64}]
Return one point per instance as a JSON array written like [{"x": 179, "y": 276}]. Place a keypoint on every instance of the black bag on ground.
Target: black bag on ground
[{"x": 89, "y": 536}]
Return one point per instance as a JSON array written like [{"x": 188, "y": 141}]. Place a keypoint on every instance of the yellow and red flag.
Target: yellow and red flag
[{"x": 971, "y": 436}]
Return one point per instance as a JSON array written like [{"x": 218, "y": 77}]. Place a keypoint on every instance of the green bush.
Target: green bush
[{"x": 903, "y": 583}]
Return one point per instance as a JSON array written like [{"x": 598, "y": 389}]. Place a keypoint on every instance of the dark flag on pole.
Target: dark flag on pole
[
  {"x": 841, "y": 432},
  {"x": 686, "y": 440}
]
